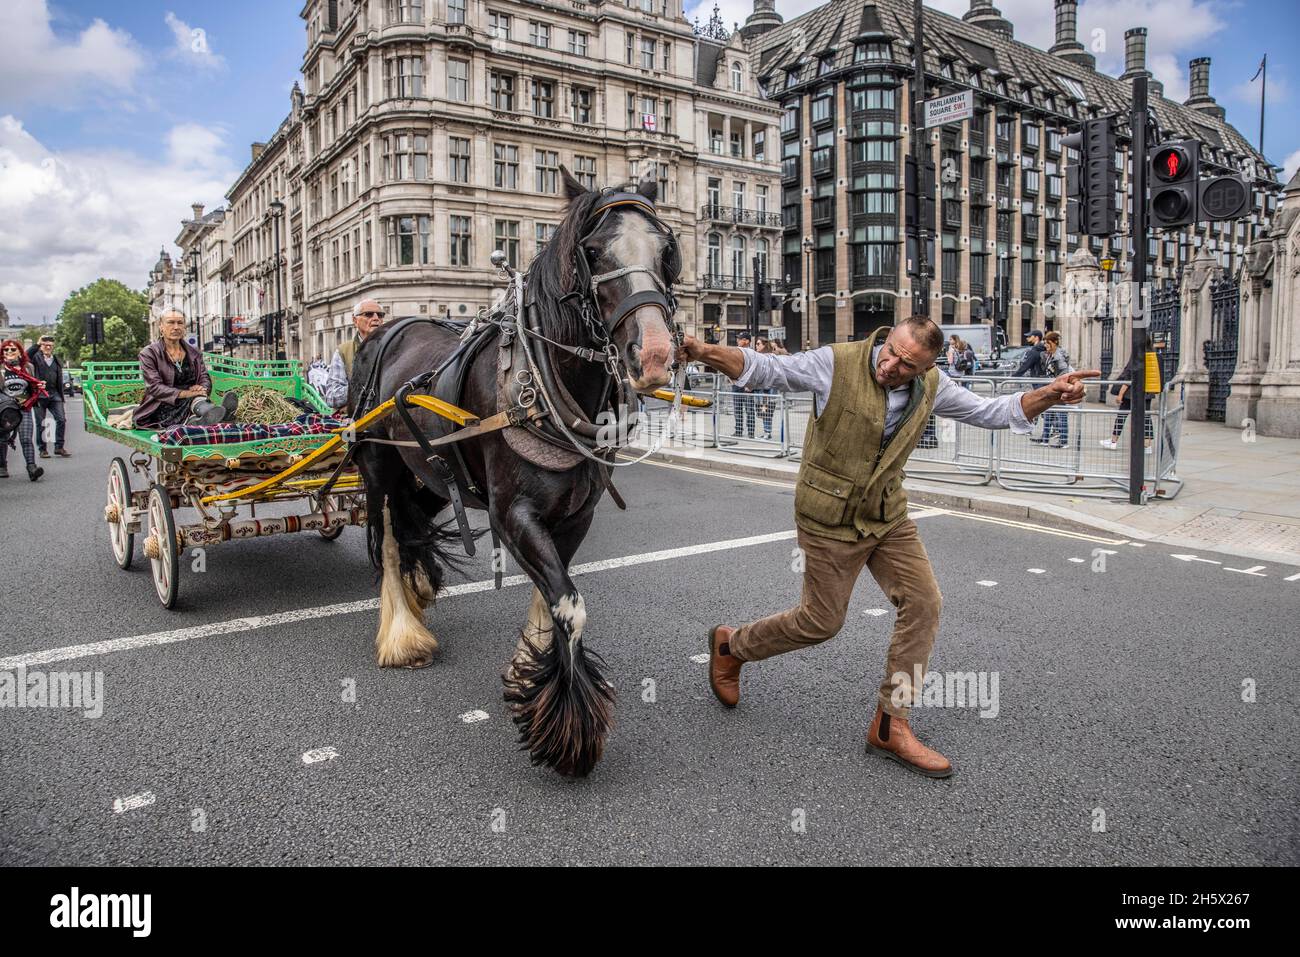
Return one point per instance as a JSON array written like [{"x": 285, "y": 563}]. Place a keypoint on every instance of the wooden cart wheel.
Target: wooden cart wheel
[
  {"x": 117, "y": 511},
  {"x": 161, "y": 546}
]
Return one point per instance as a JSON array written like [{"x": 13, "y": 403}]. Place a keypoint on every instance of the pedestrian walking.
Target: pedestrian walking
[
  {"x": 49, "y": 369},
  {"x": 1031, "y": 365},
  {"x": 871, "y": 401},
  {"x": 743, "y": 401},
  {"x": 765, "y": 398},
  {"x": 1121, "y": 391},
  {"x": 1056, "y": 422},
  {"x": 21, "y": 384}
]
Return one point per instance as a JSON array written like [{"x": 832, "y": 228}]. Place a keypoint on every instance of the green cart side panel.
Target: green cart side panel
[{"x": 109, "y": 385}]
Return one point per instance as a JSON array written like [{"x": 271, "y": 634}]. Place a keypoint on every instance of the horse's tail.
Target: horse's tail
[
  {"x": 424, "y": 544},
  {"x": 561, "y": 701}
]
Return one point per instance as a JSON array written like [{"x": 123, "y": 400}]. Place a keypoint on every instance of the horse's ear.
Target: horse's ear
[
  {"x": 649, "y": 185},
  {"x": 572, "y": 188}
]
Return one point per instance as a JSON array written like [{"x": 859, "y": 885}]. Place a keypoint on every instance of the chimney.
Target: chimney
[
  {"x": 257, "y": 150},
  {"x": 1155, "y": 89},
  {"x": 1135, "y": 53},
  {"x": 763, "y": 18},
  {"x": 1199, "y": 87},
  {"x": 982, "y": 13},
  {"x": 198, "y": 211},
  {"x": 1067, "y": 45}
]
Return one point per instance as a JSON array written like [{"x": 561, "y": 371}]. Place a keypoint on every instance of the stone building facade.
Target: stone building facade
[
  {"x": 842, "y": 76},
  {"x": 429, "y": 133}
]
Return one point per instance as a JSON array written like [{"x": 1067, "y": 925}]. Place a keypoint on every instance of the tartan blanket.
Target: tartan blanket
[{"x": 311, "y": 424}]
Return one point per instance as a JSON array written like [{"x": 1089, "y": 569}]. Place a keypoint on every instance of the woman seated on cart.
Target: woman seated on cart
[{"x": 176, "y": 382}]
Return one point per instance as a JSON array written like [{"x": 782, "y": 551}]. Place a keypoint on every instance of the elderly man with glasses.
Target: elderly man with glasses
[{"x": 367, "y": 316}]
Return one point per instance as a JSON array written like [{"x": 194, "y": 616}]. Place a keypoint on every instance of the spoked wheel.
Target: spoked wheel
[
  {"x": 161, "y": 547},
  {"x": 117, "y": 513}
]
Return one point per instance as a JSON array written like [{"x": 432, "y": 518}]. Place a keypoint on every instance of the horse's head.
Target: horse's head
[{"x": 626, "y": 263}]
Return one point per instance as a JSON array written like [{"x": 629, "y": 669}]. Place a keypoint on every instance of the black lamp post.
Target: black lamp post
[
  {"x": 277, "y": 211},
  {"x": 807, "y": 293},
  {"x": 192, "y": 276}
]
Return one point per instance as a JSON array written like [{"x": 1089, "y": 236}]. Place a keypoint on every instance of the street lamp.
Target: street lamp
[
  {"x": 807, "y": 288},
  {"x": 277, "y": 211},
  {"x": 192, "y": 275}
]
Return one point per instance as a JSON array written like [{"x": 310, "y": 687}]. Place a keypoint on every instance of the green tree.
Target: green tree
[
  {"x": 113, "y": 300},
  {"x": 119, "y": 345}
]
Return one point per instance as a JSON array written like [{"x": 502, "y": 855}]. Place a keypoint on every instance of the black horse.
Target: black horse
[{"x": 596, "y": 311}]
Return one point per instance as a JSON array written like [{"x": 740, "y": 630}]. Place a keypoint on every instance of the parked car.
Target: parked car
[{"x": 71, "y": 383}]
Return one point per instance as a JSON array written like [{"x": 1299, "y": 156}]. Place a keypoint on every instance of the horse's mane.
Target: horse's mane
[{"x": 550, "y": 274}]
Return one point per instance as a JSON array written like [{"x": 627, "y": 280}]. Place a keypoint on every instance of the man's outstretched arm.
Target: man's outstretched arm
[{"x": 809, "y": 371}]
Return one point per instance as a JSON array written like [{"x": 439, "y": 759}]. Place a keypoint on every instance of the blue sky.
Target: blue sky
[{"x": 115, "y": 116}]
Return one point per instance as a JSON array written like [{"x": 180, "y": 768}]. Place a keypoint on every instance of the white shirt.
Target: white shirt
[{"x": 813, "y": 371}]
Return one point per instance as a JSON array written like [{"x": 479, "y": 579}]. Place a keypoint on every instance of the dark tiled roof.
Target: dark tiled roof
[
  {"x": 706, "y": 62},
  {"x": 949, "y": 38}
]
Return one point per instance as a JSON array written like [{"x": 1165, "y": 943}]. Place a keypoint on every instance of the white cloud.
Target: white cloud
[
  {"x": 71, "y": 217},
  {"x": 1290, "y": 164},
  {"x": 1279, "y": 91},
  {"x": 39, "y": 67},
  {"x": 192, "y": 45}
]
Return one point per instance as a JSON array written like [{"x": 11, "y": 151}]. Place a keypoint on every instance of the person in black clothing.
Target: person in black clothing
[
  {"x": 1126, "y": 406},
  {"x": 49, "y": 369},
  {"x": 744, "y": 401},
  {"x": 1032, "y": 364}
]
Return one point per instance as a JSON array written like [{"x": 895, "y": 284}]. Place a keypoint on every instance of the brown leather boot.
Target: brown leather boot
[
  {"x": 893, "y": 738},
  {"x": 724, "y": 670}
]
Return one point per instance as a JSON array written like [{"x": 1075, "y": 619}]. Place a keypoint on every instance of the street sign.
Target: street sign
[
  {"x": 777, "y": 333},
  {"x": 952, "y": 108}
]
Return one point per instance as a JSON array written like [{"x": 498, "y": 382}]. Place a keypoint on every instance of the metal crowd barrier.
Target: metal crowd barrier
[{"x": 1064, "y": 453}]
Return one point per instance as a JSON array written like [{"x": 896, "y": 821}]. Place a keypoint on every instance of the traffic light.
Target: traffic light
[
  {"x": 1224, "y": 197},
  {"x": 1090, "y": 184},
  {"x": 1175, "y": 173},
  {"x": 94, "y": 328}
]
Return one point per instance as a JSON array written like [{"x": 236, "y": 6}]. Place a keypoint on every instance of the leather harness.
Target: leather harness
[{"x": 537, "y": 400}]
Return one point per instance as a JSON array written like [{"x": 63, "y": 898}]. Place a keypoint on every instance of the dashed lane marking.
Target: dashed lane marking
[
  {"x": 236, "y": 625},
  {"x": 1255, "y": 570},
  {"x": 986, "y": 583},
  {"x": 317, "y": 755},
  {"x": 700, "y": 659},
  {"x": 134, "y": 802},
  {"x": 1293, "y": 578},
  {"x": 469, "y": 717},
  {"x": 1193, "y": 558},
  {"x": 1036, "y": 571},
  {"x": 1077, "y": 561},
  {"x": 876, "y": 612}
]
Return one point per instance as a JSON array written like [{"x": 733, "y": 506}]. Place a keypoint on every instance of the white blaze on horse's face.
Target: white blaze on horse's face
[{"x": 644, "y": 336}]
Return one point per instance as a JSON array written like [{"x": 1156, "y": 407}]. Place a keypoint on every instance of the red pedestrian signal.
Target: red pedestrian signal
[
  {"x": 1175, "y": 175},
  {"x": 1172, "y": 163}
]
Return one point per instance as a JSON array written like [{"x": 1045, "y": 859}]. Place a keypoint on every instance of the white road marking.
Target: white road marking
[
  {"x": 876, "y": 612},
  {"x": 1136, "y": 544},
  {"x": 1077, "y": 561},
  {"x": 1252, "y": 570},
  {"x": 236, "y": 625},
  {"x": 700, "y": 659},
  {"x": 317, "y": 755},
  {"x": 469, "y": 717},
  {"x": 986, "y": 583},
  {"x": 134, "y": 802},
  {"x": 1293, "y": 578},
  {"x": 1193, "y": 558},
  {"x": 1035, "y": 571}
]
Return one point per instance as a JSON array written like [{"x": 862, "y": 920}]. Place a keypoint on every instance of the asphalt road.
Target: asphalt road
[{"x": 1120, "y": 693}]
